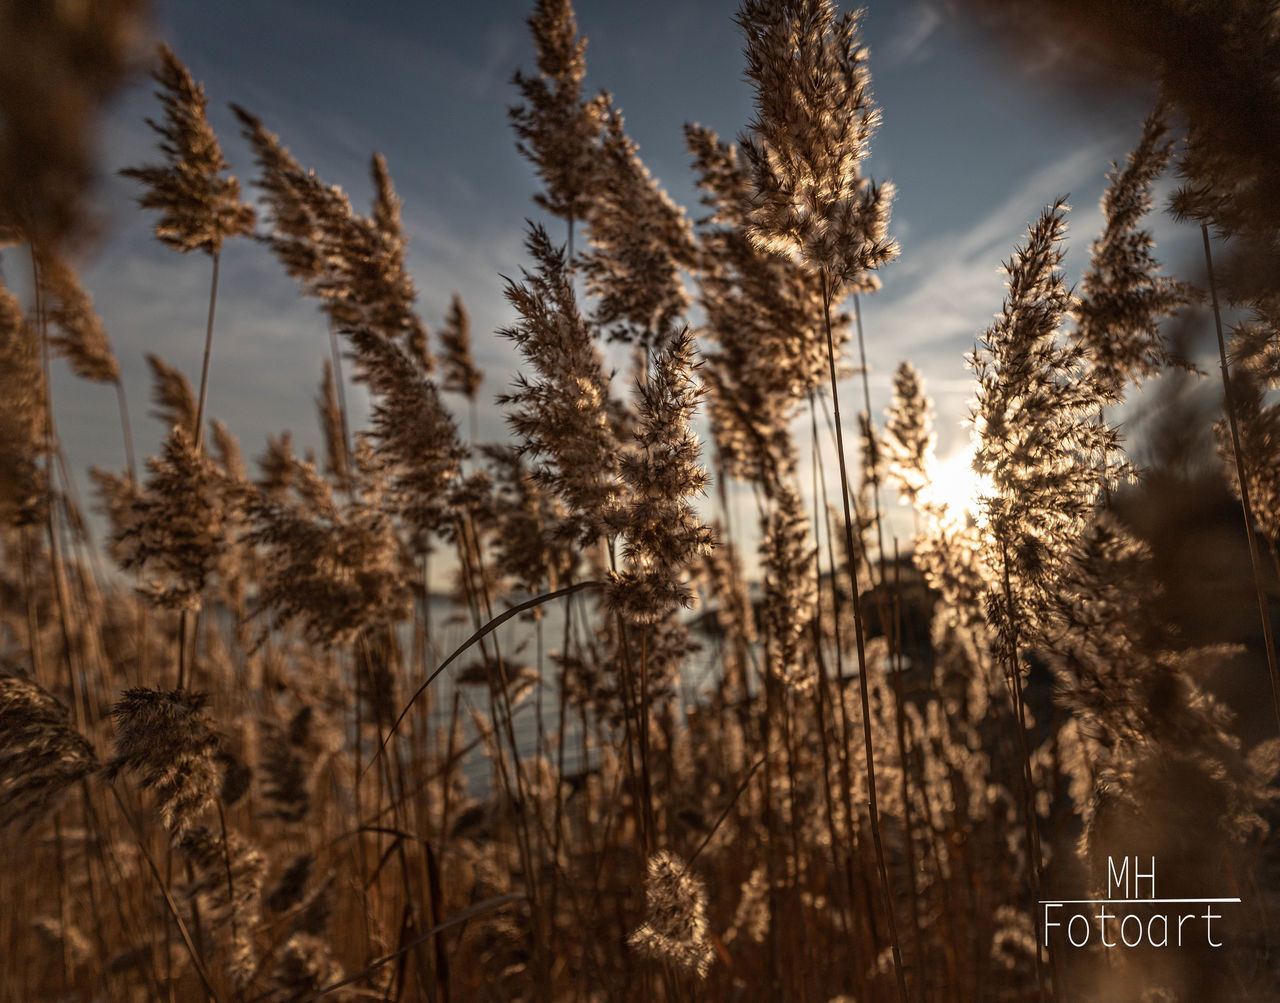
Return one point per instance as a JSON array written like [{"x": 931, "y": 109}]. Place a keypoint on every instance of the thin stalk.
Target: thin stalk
[
  {"x": 872, "y": 803},
  {"x": 208, "y": 354},
  {"x": 1014, "y": 674},
  {"x": 168, "y": 899},
  {"x": 630, "y": 720},
  {"x": 481, "y": 632},
  {"x": 820, "y": 690},
  {"x": 846, "y": 776},
  {"x": 501, "y": 712},
  {"x": 64, "y": 912},
  {"x": 126, "y": 429},
  {"x": 904, "y": 771},
  {"x": 643, "y": 723},
  {"x": 557, "y": 831},
  {"x": 357, "y": 799},
  {"x": 29, "y": 591},
  {"x": 339, "y": 386},
  {"x": 1245, "y": 504},
  {"x": 875, "y": 446},
  {"x": 198, "y": 433},
  {"x": 51, "y": 509}
]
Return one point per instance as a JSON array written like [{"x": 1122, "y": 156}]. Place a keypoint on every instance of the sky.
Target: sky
[{"x": 975, "y": 146}]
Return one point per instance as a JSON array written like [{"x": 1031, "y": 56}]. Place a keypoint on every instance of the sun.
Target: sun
[{"x": 956, "y": 486}]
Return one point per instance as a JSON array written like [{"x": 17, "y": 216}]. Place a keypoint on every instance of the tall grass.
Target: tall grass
[{"x": 853, "y": 773}]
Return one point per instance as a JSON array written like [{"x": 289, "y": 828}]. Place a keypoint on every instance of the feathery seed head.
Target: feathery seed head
[
  {"x": 167, "y": 738},
  {"x": 78, "y": 333},
  {"x": 335, "y": 441},
  {"x": 177, "y": 524},
  {"x": 1122, "y": 295},
  {"x": 560, "y": 413},
  {"x": 41, "y": 755},
  {"x": 289, "y": 887},
  {"x": 766, "y": 314},
  {"x": 199, "y": 207},
  {"x": 791, "y": 600},
  {"x": 664, "y": 535},
  {"x": 675, "y": 926},
  {"x": 640, "y": 240},
  {"x": 354, "y": 265},
  {"x": 304, "y": 966},
  {"x": 416, "y": 439},
  {"x": 814, "y": 118},
  {"x": 1255, "y": 371},
  {"x": 174, "y": 400},
  {"x": 285, "y": 767},
  {"x": 908, "y": 433},
  {"x": 338, "y": 567},
  {"x": 228, "y": 875},
  {"x": 460, "y": 373},
  {"x": 23, "y": 485},
  {"x": 1039, "y": 439},
  {"x": 558, "y": 131}
]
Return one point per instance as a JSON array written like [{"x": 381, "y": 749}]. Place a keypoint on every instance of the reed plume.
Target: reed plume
[
  {"x": 167, "y": 738},
  {"x": 329, "y": 406},
  {"x": 41, "y": 755},
  {"x": 1038, "y": 438},
  {"x": 77, "y": 331},
  {"x": 336, "y": 567},
  {"x": 558, "y": 129},
  {"x": 561, "y": 415},
  {"x": 285, "y": 765},
  {"x": 908, "y": 434},
  {"x": 23, "y": 485},
  {"x": 303, "y": 968},
  {"x": 639, "y": 242},
  {"x": 791, "y": 599},
  {"x": 664, "y": 535},
  {"x": 765, "y": 314},
  {"x": 176, "y": 525},
  {"x": 529, "y": 522},
  {"x": 199, "y": 207},
  {"x": 228, "y": 898},
  {"x": 354, "y": 265},
  {"x": 172, "y": 396},
  {"x": 460, "y": 373},
  {"x": 675, "y": 925},
  {"x": 225, "y": 888},
  {"x": 805, "y": 146},
  {"x": 1255, "y": 372},
  {"x": 61, "y": 67},
  {"x": 415, "y": 439},
  {"x": 1122, "y": 296}
]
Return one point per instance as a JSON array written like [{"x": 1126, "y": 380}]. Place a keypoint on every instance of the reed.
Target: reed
[{"x": 631, "y": 752}]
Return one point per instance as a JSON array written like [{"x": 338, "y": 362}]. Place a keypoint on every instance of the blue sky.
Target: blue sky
[{"x": 975, "y": 147}]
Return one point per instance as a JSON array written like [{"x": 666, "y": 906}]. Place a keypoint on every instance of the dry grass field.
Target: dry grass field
[{"x": 650, "y": 752}]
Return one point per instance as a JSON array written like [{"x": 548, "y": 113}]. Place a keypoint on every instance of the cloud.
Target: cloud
[
  {"x": 949, "y": 288},
  {"x": 916, "y": 27},
  {"x": 941, "y": 295}
]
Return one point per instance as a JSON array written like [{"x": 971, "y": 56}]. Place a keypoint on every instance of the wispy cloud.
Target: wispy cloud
[
  {"x": 916, "y": 26},
  {"x": 941, "y": 295},
  {"x": 949, "y": 288}
]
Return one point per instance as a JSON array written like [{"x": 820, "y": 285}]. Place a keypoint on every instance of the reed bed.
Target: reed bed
[{"x": 243, "y": 756}]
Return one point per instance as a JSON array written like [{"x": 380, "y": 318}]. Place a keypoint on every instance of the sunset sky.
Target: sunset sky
[{"x": 975, "y": 146}]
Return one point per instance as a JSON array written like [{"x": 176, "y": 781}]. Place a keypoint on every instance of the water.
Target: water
[{"x": 523, "y": 642}]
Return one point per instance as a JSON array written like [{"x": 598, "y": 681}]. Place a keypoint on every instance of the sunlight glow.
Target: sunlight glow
[{"x": 956, "y": 486}]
